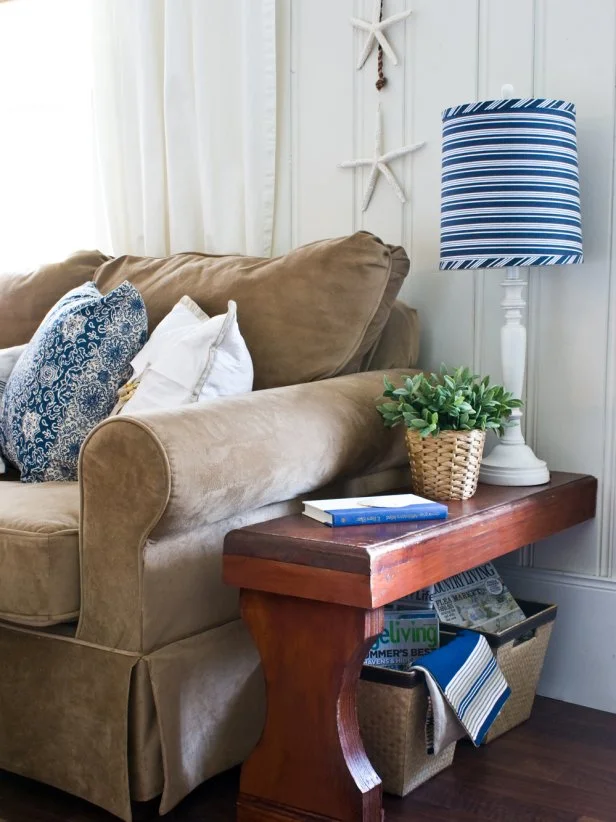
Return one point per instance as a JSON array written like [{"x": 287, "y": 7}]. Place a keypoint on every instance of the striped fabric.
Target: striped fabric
[
  {"x": 510, "y": 188},
  {"x": 471, "y": 683}
]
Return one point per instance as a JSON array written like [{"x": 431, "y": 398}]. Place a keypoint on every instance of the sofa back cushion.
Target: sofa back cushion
[
  {"x": 26, "y": 298},
  {"x": 398, "y": 345},
  {"x": 308, "y": 315}
]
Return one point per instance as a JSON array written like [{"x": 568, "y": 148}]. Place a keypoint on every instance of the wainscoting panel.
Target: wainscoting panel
[
  {"x": 385, "y": 215},
  {"x": 580, "y": 666},
  {"x": 324, "y": 127},
  {"x": 578, "y": 63},
  {"x": 454, "y": 51},
  {"x": 442, "y": 63},
  {"x": 501, "y": 24}
]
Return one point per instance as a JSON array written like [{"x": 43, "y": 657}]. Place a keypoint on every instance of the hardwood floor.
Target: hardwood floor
[{"x": 558, "y": 767}]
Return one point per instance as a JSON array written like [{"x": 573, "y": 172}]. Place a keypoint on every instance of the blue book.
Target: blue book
[{"x": 374, "y": 510}]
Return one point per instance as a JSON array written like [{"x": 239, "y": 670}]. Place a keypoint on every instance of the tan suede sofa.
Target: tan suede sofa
[{"x": 126, "y": 672}]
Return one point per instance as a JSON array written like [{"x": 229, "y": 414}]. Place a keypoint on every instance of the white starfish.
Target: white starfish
[
  {"x": 379, "y": 164},
  {"x": 375, "y": 29}
]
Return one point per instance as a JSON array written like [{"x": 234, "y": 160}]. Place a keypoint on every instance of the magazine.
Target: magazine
[
  {"x": 407, "y": 635},
  {"x": 476, "y": 599}
]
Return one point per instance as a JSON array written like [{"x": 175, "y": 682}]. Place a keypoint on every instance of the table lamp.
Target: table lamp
[{"x": 510, "y": 198}]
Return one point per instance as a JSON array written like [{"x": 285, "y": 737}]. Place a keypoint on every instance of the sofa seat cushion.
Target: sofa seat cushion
[{"x": 39, "y": 551}]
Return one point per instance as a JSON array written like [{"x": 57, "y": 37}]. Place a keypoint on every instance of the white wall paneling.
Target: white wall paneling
[
  {"x": 501, "y": 24},
  {"x": 384, "y": 216},
  {"x": 283, "y": 211},
  {"x": 578, "y": 62},
  {"x": 442, "y": 62},
  {"x": 454, "y": 51},
  {"x": 324, "y": 128},
  {"x": 579, "y": 666}
]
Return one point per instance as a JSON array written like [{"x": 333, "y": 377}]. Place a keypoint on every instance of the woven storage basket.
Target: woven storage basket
[
  {"x": 446, "y": 466},
  {"x": 392, "y": 717},
  {"x": 520, "y": 653}
]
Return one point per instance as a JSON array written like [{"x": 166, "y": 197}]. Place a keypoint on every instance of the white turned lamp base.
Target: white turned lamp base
[{"x": 513, "y": 464}]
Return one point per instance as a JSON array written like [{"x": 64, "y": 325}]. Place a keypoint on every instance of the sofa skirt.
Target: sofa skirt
[{"x": 110, "y": 726}]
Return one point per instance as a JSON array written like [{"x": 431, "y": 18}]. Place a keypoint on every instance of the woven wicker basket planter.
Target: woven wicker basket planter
[
  {"x": 392, "y": 717},
  {"x": 520, "y": 652},
  {"x": 447, "y": 466}
]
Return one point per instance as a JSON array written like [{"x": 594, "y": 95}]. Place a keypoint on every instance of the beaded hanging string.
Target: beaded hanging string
[
  {"x": 381, "y": 79},
  {"x": 379, "y": 162}
]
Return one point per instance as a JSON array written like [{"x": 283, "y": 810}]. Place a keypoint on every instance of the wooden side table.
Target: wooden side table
[{"x": 312, "y": 597}]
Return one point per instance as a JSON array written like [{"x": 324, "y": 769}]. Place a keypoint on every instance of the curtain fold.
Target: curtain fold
[{"x": 185, "y": 121}]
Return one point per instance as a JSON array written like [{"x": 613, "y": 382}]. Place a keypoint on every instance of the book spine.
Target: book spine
[{"x": 380, "y": 517}]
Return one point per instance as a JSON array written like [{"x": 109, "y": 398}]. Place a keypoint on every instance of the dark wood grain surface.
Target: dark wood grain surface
[
  {"x": 299, "y": 577},
  {"x": 371, "y": 565},
  {"x": 560, "y": 766},
  {"x": 310, "y": 757}
]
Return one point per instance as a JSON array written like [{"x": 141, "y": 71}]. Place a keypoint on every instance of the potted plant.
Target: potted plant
[{"x": 446, "y": 416}]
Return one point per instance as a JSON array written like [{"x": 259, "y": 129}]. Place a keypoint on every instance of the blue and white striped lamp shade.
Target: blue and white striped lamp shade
[{"x": 510, "y": 188}]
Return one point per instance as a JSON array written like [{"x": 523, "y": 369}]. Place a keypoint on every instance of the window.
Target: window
[{"x": 47, "y": 191}]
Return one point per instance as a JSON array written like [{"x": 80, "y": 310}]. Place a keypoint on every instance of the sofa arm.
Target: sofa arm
[{"x": 158, "y": 476}]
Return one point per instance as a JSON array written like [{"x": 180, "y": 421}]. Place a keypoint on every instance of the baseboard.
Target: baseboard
[
  {"x": 591, "y": 583},
  {"x": 580, "y": 665}
]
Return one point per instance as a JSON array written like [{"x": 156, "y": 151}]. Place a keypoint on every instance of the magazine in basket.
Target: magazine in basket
[{"x": 476, "y": 599}]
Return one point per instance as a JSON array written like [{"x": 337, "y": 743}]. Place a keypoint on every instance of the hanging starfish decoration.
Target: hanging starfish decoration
[
  {"x": 379, "y": 163},
  {"x": 375, "y": 29}
]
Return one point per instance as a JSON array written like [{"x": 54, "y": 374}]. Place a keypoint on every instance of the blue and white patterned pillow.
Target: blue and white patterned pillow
[{"x": 67, "y": 379}]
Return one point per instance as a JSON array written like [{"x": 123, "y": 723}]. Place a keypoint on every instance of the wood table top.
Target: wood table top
[{"x": 370, "y": 565}]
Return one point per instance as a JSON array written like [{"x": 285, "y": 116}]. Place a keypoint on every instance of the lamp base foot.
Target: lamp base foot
[{"x": 513, "y": 464}]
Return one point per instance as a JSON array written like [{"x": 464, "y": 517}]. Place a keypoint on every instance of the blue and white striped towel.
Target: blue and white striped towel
[{"x": 467, "y": 690}]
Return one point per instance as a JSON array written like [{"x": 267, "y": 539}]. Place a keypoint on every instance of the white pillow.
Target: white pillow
[
  {"x": 184, "y": 315},
  {"x": 190, "y": 358},
  {"x": 8, "y": 358}
]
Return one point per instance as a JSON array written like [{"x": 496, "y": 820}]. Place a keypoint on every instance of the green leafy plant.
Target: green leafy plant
[{"x": 453, "y": 400}]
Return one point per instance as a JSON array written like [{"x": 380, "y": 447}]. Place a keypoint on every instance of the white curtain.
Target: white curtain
[
  {"x": 47, "y": 191},
  {"x": 185, "y": 122}
]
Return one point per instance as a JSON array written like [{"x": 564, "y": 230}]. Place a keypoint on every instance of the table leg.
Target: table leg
[{"x": 310, "y": 763}]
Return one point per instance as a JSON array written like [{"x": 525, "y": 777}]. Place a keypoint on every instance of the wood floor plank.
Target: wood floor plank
[{"x": 558, "y": 767}]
